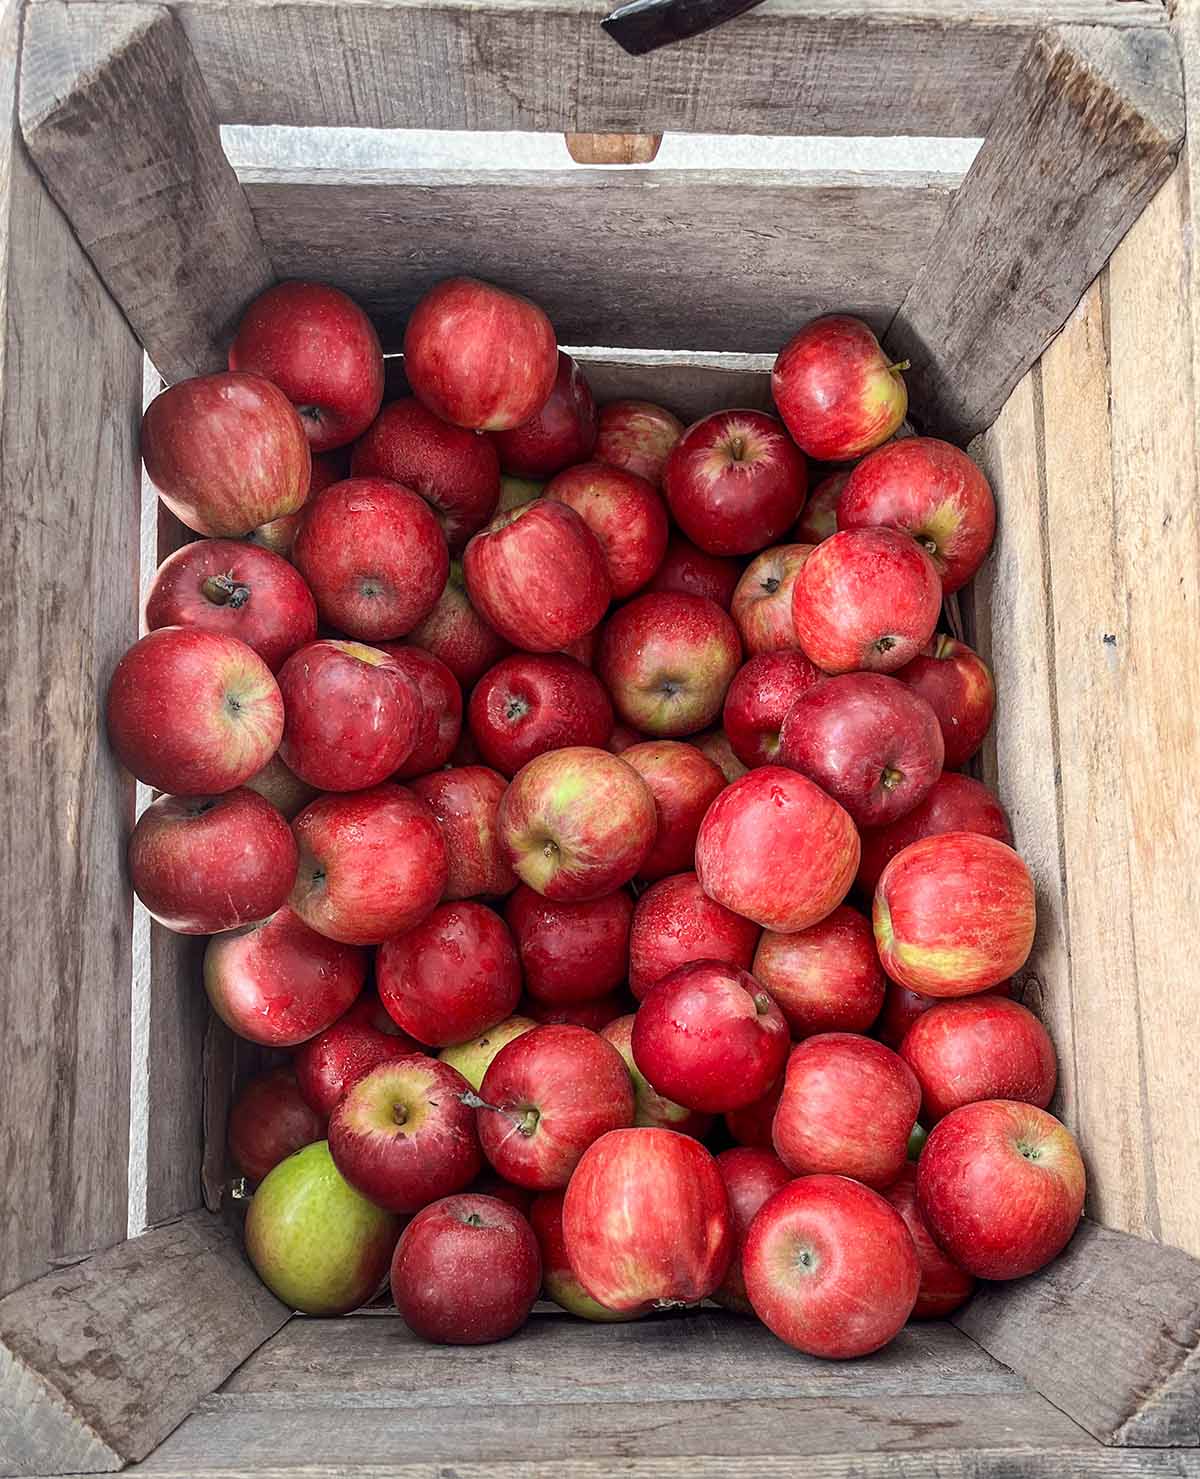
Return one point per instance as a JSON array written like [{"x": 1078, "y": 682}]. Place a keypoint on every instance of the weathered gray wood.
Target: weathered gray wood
[
  {"x": 104, "y": 1358},
  {"x": 1087, "y": 134},
  {"x": 692, "y": 386},
  {"x": 118, "y": 120},
  {"x": 70, "y": 391},
  {"x": 1109, "y": 1333},
  {"x": 179, "y": 1014},
  {"x": 657, "y": 259}
]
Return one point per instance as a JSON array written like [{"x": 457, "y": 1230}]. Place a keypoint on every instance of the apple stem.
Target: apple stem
[
  {"x": 900, "y": 365},
  {"x": 518, "y": 1121},
  {"x": 223, "y": 590}
]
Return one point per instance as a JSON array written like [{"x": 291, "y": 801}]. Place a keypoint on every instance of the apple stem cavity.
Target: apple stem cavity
[
  {"x": 224, "y": 590},
  {"x": 890, "y": 779},
  {"x": 762, "y": 1004}
]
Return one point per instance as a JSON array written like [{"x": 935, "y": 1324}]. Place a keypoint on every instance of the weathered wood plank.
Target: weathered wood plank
[
  {"x": 655, "y": 259},
  {"x": 179, "y": 1014},
  {"x": 70, "y": 389},
  {"x": 692, "y": 386},
  {"x": 1108, "y": 1332},
  {"x": 117, "y": 118},
  {"x": 1086, "y": 136},
  {"x": 106, "y": 1357}
]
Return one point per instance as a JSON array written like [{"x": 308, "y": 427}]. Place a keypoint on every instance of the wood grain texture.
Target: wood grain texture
[
  {"x": 179, "y": 1014},
  {"x": 1087, "y": 134},
  {"x": 126, "y": 1342},
  {"x": 118, "y": 120},
  {"x": 70, "y": 390},
  {"x": 656, "y": 259}
]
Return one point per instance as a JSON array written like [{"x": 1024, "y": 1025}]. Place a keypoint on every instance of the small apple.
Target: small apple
[
  {"x": 268, "y": 1121},
  {"x": 334, "y": 1061},
  {"x": 715, "y": 745},
  {"x": 689, "y": 571},
  {"x": 456, "y": 634},
  {"x": 570, "y": 953},
  {"x": 638, "y": 436},
  {"x": 751, "y": 1178},
  {"x": 759, "y": 700},
  {"x": 836, "y": 390},
  {"x": 762, "y": 601},
  {"x": 282, "y": 787},
  {"x": 674, "y": 923},
  {"x": 826, "y": 978},
  {"x": 957, "y": 684},
  {"x": 473, "y": 1059},
  {"x": 944, "y": 1286},
  {"x": 684, "y": 784},
  {"x": 563, "y": 432},
  {"x": 466, "y": 802},
  {"x": 532, "y": 702},
  {"x": 956, "y": 803},
  {"x": 819, "y": 519},
  {"x": 651, "y": 1107},
  {"x": 984, "y": 1047},
  {"x": 558, "y": 1277},
  {"x": 626, "y": 515}
]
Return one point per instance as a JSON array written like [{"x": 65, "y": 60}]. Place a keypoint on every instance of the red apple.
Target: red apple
[
  {"x": 751, "y": 1125},
  {"x": 282, "y": 787},
  {"x": 451, "y": 977},
  {"x": 374, "y": 557},
  {"x": 836, "y": 390},
  {"x": 932, "y": 491},
  {"x": 478, "y": 356},
  {"x": 537, "y": 574},
  {"x": 735, "y": 482},
  {"x": 488, "y": 1184},
  {"x": 902, "y": 1007},
  {"x": 278, "y": 535},
  {"x": 646, "y": 1221},
  {"x": 751, "y": 1178},
  {"x": 456, "y": 472},
  {"x": 684, "y": 783},
  {"x": 466, "y": 802},
  {"x": 440, "y": 708},
  {"x": 577, "y": 823},
  {"x": 954, "y": 914},
  {"x": 675, "y": 923},
  {"x": 957, "y": 803},
  {"x": 403, "y": 1135},
  {"x": 826, "y": 978},
  {"x": 558, "y": 1277},
  {"x": 710, "y": 1038},
  {"x": 651, "y": 1107},
  {"x": 201, "y": 864},
  {"x": 353, "y": 715},
  {"x": 570, "y": 953},
  {"x": 279, "y": 983},
  {"x": 546, "y": 1097},
  {"x": 456, "y": 634},
  {"x": 986, "y": 1047},
  {"x": 193, "y": 713},
  {"x": 637, "y": 436},
  {"x": 319, "y": 347},
  {"x": 957, "y": 685},
  {"x": 819, "y": 519},
  {"x": 775, "y": 848},
  {"x": 625, "y": 514},
  {"x": 583, "y": 649},
  {"x": 868, "y": 741},
  {"x": 690, "y": 572},
  {"x": 369, "y": 1011},
  {"x": 715, "y": 746},
  {"x": 334, "y": 1061},
  {"x": 533, "y": 702},
  {"x": 830, "y": 1267},
  {"x": 226, "y": 453},
  {"x": 268, "y": 1121},
  {"x": 848, "y": 1107},
  {"x": 561, "y": 433},
  {"x": 667, "y": 661},
  {"x": 473, "y": 1059},
  {"x": 866, "y": 598},
  {"x": 623, "y": 738},
  {"x": 762, "y": 602},
  {"x": 759, "y": 700},
  {"x": 466, "y": 1271},
  {"x": 372, "y": 864},
  {"x": 1000, "y": 1186},
  {"x": 595, "y": 1015},
  {"x": 944, "y": 1286}
]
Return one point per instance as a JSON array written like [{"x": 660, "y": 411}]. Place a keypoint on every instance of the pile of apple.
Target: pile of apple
[{"x": 520, "y": 760}]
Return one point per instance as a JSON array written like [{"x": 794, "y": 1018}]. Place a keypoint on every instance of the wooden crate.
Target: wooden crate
[{"x": 1048, "y": 301}]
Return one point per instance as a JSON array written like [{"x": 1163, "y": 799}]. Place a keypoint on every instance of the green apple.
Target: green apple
[
  {"x": 314, "y": 1241},
  {"x": 472, "y": 1059}
]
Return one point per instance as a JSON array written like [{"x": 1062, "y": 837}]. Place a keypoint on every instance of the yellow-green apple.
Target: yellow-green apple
[
  {"x": 759, "y": 700},
  {"x": 466, "y": 802},
  {"x": 319, "y": 1246},
  {"x": 847, "y": 1108},
  {"x": 830, "y": 1267},
  {"x": 866, "y": 598},
  {"x": 691, "y": 572},
  {"x": 333, "y": 1061},
  {"x": 735, "y": 482},
  {"x": 649, "y": 1106},
  {"x": 762, "y": 601},
  {"x": 626, "y": 515},
  {"x": 954, "y": 914},
  {"x": 684, "y": 783},
  {"x": 944, "y": 1286},
  {"x": 570, "y": 953},
  {"x": 826, "y": 978},
  {"x": 282, "y": 787},
  {"x": 577, "y": 824},
  {"x": 667, "y": 660},
  {"x": 545, "y": 1098},
  {"x": 674, "y": 923},
  {"x": 646, "y": 1221},
  {"x": 558, "y": 1277},
  {"x": 563, "y": 432},
  {"x": 776, "y": 849},
  {"x": 439, "y": 708},
  {"x": 473, "y": 1059},
  {"x": 226, "y": 453},
  {"x": 819, "y": 519},
  {"x": 957, "y": 685},
  {"x": 456, "y": 634},
  {"x": 956, "y": 803},
  {"x": 193, "y": 713},
  {"x": 202, "y": 864},
  {"x": 932, "y": 491},
  {"x": 714, "y": 744},
  {"x": 638, "y": 436},
  {"x": 268, "y": 1121},
  {"x": 984, "y": 1047},
  {"x": 466, "y": 1271},
  {"x": 1000, "y": 1185},
  {"x": 751, "y": 1178},
  {"x": 836, "y": 390},
  {"x": 532, "y": 702}
]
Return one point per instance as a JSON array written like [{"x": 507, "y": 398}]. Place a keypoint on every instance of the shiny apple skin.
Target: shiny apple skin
[
  {"x": 710, "y": 1038},
  {"x": 456, "y": 472},
  {"x": 751, "y": 1178},
  {"x": 957, "y": 685},
  {"x": 268, "y": 1121},
  {"x": 626, "y": 515},
  {"x": 278, "y": 982},
  {"x": 651, "y": 1107},
  {"x": 774, "y": 848},
  {"x": 546, "y": 1097},
  {"x": 760, "y": 698},
  {"x": 456, "y": 634},
  {"x": 848, "y": 1107},
  {"x": 982, "y": 1047},
  {"x": 676, "y": 923},
  {"x": 570, "y": 953},
  {"x": 866, "y": 599},
  {"x": 954, "y": 914},
  {"x": 333, "y": 1061},
  {"x": 532, "y": 702},
  {"x": 688, "y": 571},
  {"x": 466, "y": 802},
  {"x": 836, "y": 390},
  {"x": 956, "y": 803},
  {"x": 826, "y": 978},
  {"x": 439, "y": 708},
  {"x": 762, "y": 600},
  {"x": 563, "y": 432},
  {"x": 478, "y": 356},
  {"x": 819, "y": 519},
  {"x": 735, "y": 482},
  {"x": 944, "y": 1286},
  {"x": 637, "y": 436},
  {"x": 558, "y": 1278},
  {"x": 684, "y": 784}
]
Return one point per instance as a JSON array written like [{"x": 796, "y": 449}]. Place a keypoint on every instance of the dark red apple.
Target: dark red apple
[
  {"x": 595, "y": 1015},
  {"x": 762, "y": 601},
  {"x": 570, "y": 953},
  {"x": 333, "y": 1061},
  {"x": 690, "y": 572},
  {"x": 488, "y": 1184},
  {"x": 456, "y": 634},
  {"x": 626, "y": 515},
  {"x": 684, "y": 783},
  {"x": 675, "y": 923},
  {"x": 819, "y": 519},
  {"x": 944, "y": 1286},
  {"x": 956, "y": 803},
  {"x": 638, "y": 436},
  {"x": 558, "y": 1277},
  {"x": 369, "y": 1011},
  {"x": 651, "y": 1107},
  {"x": 957, "y": 685},
  {"x": 268, "y": 1121},
  {"x": 826, "y": 978},
  {"x": 623, "y": 738},
  {"x": 440, "y": 708},
  {"x": 561, "y": 433},
  {"x": 836, "y": 390},
  {"x": 735, "y": 482},
  {"x": 715, "y": 746},
  {"x": 759, "y": 700},
  {"x": 478, "y": 356},
  {"x": 282, "y": 787},
  {"x": 752, "y": 1124},
  {"x": 985, "y": 1047},
  {"x": 751, "y": 1178},
  {"x": 533, "y": 702},
  {"x": 466, "y": 802}
]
